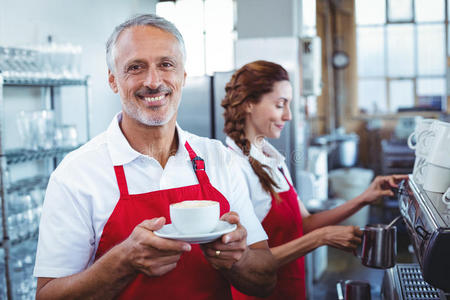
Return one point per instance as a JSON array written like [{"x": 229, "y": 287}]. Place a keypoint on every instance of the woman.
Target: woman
[{"x": 257, "y": 106}]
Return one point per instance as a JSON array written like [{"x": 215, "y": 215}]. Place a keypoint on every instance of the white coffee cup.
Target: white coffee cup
[
  {"x": 419, "y": 169},
  {"x": 195, "y": 216},
  {"x": 422, "y": 136},
  {"x": 438, "y": 154},
  {"x": 436, "y": 178}
]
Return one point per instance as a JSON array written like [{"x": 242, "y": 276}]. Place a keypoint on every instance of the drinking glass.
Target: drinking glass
[
  {"x": 44, "y": 122},
  {"x": 26, "y": 129}
]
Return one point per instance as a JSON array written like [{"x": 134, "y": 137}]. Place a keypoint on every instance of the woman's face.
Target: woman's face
[{"x": 268, "y": 117}]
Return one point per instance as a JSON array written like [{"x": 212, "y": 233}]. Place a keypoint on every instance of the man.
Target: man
[{"x": 104, "y": 200}]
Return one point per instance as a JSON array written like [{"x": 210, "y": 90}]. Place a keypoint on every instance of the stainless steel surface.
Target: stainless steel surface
[
  {"x": 427, "y": 220},
  {"x": 347, "y": 150},
  {"x": 357, "y": 290},
  {"x": 353, "y": 290},
  {"x": 390, "y": 287},
  {"x": 413, "y": 285},
  {"x": 379, "y": 246},
  {"x": 393, "y": 221},
  {"x": 195, "y": 111},
  {"x": 405, "y": 282},
  {"x": 340, "y": 290},
  {"x": 220, "y": 79},
  {"x": 342, "y": 149}
]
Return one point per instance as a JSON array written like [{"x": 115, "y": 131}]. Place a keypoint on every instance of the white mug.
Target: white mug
[
  {"x": 439, "y": 154},
  {"x": 193, "y": 217},
  {"x": 423, "y": 136},
  {"x": 436, "y": 178},
  {"x": 419, "y": 169}
]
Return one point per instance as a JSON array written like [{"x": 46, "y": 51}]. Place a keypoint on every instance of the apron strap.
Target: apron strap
[
  {"x": 198, "y": 164},
  {"x": 121, "y": 180},
  {"x": 282, "y": 172}
]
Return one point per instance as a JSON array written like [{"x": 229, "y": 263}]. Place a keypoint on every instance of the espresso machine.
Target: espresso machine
[{"x": 427, "y": 220}]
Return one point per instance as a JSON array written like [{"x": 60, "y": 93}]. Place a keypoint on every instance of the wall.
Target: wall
[
  {"x": 267, "y": 18},
  {"x": 82, "y": 22},
  {"x": 338, "y": 102}
]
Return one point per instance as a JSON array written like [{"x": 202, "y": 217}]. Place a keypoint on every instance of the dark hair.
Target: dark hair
[{"x": 248, "y": 85}]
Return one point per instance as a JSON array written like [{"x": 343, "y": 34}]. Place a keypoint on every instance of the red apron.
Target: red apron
[
  {"x": 283, "y": 224},
  {"x": 193, "y": 278}
]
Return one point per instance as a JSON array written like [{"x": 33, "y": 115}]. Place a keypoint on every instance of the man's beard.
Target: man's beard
[{"x": 133, "y": 110}]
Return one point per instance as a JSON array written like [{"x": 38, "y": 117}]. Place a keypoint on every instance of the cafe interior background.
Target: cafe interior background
[{"x": 364, "y": 74}]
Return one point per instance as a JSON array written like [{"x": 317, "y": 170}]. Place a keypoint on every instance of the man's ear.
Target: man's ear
[
  {"x": 184, "y": 78},
  {"x": 112, "y": 82}
]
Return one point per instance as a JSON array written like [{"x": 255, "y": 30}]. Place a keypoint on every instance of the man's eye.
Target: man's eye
[
  {"x": 134, "y": 68},
  {"x": 280, "y": 104},
  {"x": 167, "y": 64}
]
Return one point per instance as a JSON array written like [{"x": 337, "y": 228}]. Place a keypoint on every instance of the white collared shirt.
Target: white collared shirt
[
  {"x": 269, "y": 156},
  {"x": 83, "y": 191}
]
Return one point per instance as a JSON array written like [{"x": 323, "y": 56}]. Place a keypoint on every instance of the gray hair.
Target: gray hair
[{"x": 142, "y": 20}]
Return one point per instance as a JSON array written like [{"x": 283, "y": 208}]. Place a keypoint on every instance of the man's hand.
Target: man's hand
[
  {"x": 382, "y": 186},
  {"x": 230, "y": 248},
  {"x": 150, "y": 254}
]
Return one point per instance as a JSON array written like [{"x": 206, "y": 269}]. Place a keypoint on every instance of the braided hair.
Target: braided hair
[{"x": 248, "y": 85}]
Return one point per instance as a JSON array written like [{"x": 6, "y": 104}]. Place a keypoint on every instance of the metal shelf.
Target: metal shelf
[
  {"x": 43, "y": 82},
  {"x": 29, "y": 236},
  {"x": 27, "y": 183},
  {"x": 16, "y": 156}
]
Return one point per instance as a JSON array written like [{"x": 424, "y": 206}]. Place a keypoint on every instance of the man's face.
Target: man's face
[{"x": 149, "y": 74}]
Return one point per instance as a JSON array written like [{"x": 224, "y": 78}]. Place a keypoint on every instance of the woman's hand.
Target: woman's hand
[
  {"x": 346, "y": 238},
  {"x": 382, "y": 186}
]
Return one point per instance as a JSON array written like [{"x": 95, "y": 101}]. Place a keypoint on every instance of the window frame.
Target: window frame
[
  {"x": 205, "y": 32},
  {"x": 388, "y": 78}
]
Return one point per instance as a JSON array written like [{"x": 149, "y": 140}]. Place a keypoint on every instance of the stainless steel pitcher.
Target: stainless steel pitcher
[
  {"x": 353, "y": 290},
  {"x": 379, "y": 246}
]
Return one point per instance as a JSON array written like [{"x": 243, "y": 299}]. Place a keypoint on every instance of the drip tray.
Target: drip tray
[{"x": 413, "y": 286}]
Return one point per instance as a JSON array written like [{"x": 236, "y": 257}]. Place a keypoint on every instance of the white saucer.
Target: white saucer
[{"x": 169, "y": 232}]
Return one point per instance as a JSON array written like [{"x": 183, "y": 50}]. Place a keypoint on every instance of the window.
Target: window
[
  {"x": 208, "y": 30},
  {"x": 401, "y": 54}
]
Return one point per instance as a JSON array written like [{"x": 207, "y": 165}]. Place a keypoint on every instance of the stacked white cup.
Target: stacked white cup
[
  {"x": 421, "y": 140},
  {"x": 437, "y": 171}
]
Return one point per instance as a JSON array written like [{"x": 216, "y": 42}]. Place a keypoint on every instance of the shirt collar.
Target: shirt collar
[
  {"x": 118, "y": 146},
  {"x": 182, "y": 151},
  {"x": 122, "y": 153},
  {"x": 275, "y": 158}
]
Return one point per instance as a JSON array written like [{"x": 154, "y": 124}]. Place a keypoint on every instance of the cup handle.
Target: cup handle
[
  {"x": 409, "y": 141},
  {"x": 340, "y": 289},
  {"x": 358, "y": 251},
  {"x": 446, "y": 198}
]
